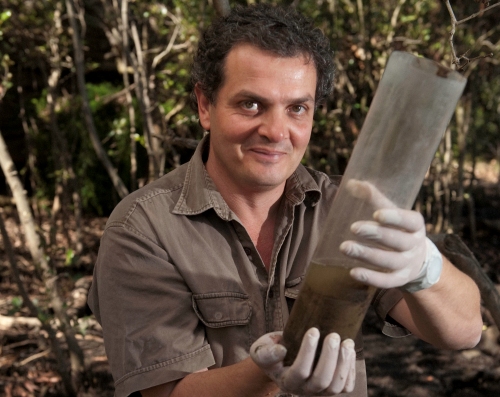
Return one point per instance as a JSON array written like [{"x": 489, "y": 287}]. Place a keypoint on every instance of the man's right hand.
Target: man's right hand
[{"x": 334, "y": 373}]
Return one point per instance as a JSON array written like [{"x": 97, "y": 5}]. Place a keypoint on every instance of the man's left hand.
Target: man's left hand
[
  {"x": 334, "y": 373},
  {"x": 395, "y": 241}
]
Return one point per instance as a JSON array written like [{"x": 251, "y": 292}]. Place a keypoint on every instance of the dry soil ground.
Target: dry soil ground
[{"x": 396, "y": 367}]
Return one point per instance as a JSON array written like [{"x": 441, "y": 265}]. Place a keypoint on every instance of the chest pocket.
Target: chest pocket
[
  {"x": 222, "y": 309},
  {"x": 292, "y": 289},
  {"x": 226, "y": 317}
]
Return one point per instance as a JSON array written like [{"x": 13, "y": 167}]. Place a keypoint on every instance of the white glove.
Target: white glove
[
  {"x": 334, "y": 373},
  {"x": 395, "y": 242}
]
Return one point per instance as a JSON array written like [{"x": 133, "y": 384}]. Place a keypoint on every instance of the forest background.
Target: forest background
[{"x": 94, "y": 104}]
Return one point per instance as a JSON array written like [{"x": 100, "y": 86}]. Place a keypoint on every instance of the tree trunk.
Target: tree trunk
[
  {"x": 142, "y": 93},
  {"x": 128, "y": 96},
  {"x": 447, "y": 178},
  {"x": 463, "y": 118},
  {"x": 437, "y": 199},
  {"x": 25, "y": 215},
  {"x": 41, "y": 261},
  {"x": 60, "y": 201},
  {"x": 67, "y": 180},
  {"x": 89, "y": 121},
  {"x": 34, "y": 174}
]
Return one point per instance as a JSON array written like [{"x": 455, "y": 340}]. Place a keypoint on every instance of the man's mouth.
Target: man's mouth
[{"x": 268, "y": 154}]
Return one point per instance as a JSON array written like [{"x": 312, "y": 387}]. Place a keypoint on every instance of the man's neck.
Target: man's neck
[
  {"x": 259, "y": 217},
  {"x": 257, "y": 211},
  {"x": 248, "y": 207}
]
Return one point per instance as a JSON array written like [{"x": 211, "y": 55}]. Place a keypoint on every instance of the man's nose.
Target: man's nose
[{"x": 274, "y": 126}]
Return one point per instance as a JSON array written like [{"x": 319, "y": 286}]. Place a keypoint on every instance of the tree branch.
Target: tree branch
[
  {"x": 170, "y": 45},
  {"x": 161, "y": 55},
  {"x": 477, "y": 13},
  {"x": 452, "y": 32},
  {"x": 457, "y": 60}
]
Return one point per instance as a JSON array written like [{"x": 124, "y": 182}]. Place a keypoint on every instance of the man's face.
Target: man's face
[{"x": 261, "y": 121}]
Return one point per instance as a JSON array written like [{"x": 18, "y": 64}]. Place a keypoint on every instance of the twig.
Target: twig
[
  {"x": 469, "y": 60},
  {"x": 160, "y": 56},
  {"x": 176, "y": 109},
  {"x": 117, "y": 95},
  {"x": 477, "y": 13},
  {"x": 394, "y": 20},
  {"x": 12, "y": 346},
  {"x": 452, "y": 32},
  {"x": 34, "y": 357},
  {"x": 177, "y": 28},
  {"x": 457, "y": 60}
]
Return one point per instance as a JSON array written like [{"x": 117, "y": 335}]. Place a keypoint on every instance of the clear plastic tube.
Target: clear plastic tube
[{"x": 413, "y": 105}]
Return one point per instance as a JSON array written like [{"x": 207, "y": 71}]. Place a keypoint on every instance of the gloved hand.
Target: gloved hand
[
  {"x": 395, "y": 242},
  {"x": 334, "y": 373}
]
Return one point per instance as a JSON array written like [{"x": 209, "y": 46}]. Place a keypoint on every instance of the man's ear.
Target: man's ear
[{"x": 203, "y": 108}]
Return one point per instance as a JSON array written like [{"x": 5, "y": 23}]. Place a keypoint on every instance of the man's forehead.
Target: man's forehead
[
  {"x": 244, "y": 47},
  {"x": 247, "y": 60},
  {"x": 247, "y": 65}
]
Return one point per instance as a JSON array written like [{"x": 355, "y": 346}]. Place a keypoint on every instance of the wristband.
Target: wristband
[{"x": 431, "y": 270}]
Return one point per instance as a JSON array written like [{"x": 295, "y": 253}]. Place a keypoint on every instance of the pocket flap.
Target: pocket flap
[{"x": 222, "y": 309}]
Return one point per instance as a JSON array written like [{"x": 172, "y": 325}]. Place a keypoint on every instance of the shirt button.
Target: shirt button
[
  {"x": 218, "y": 315},
  {"x": 247, "y": 250}
]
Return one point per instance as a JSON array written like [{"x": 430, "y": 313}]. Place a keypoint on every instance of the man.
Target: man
[{"x": 200, "y": 268}]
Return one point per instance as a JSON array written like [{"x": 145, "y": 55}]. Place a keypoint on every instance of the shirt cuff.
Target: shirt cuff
[{"x": 164, "y": 372}]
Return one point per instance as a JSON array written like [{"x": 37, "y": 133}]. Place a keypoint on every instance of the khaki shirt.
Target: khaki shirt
[{"x": 179, "y": 286}]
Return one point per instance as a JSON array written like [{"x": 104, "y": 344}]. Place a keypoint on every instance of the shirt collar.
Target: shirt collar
[{"x": 200, "y": 194}]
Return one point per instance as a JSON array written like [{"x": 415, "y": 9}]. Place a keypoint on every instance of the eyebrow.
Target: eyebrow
[{"x": 254, "y": 96}]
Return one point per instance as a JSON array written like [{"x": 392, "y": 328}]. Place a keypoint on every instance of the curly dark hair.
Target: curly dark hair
[{"x": 281, "y": 30}]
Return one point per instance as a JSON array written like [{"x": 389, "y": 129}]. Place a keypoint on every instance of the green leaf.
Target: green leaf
[
  {"x": 70, "y": 256},
  {"x": 408, "y": 18},
  {"x": 17, "y": 304},
  {"x": 5, "y": 15}
]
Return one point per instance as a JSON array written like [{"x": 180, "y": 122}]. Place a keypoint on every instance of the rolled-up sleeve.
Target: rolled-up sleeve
[
  {"x": 383, "y": 301},
  {"x": 152, "y": 334}
]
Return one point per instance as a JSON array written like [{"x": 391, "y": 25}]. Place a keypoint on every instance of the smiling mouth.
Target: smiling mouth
[
  {"x": 268, "y": 152},
  {"x": 268, "y": 155}
]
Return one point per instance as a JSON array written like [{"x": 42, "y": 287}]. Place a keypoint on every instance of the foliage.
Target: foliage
[
  {"x": 16, "y": 303},
  {"x": 363, "y": 35},
  {"x": 5, "y": 62}
]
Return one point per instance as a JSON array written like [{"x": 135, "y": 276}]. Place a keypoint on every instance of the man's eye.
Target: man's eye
[
  {"x": 298, "y": 109},
  {"x": 250, "y": 105}
]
